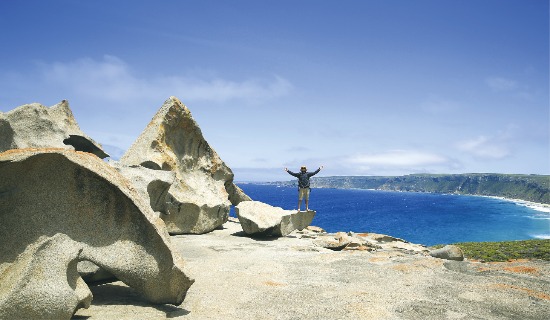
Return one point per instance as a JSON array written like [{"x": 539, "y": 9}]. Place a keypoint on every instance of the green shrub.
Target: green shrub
[{"x": 505, "y": 250}]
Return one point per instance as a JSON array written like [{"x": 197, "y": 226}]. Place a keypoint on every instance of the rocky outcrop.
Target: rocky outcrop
[
  {"x": 199, "y": 199},
  {"x": 334, "y": 242},
  {"x": 358, "y": 241},
  {"x": 290, "y": 278},
  {"x": 36, "y": 126},
  {"x": 53, "y": 202},
  {"x": 258, "y": 218},
  {"x": 152, "y": 185},
  {"x": 448, "y": 252}
]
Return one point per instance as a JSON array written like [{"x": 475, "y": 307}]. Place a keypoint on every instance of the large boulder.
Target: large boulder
[
  {"x": 260, "y": 219},
  {"x": 58, "y": 207},
  {"x": 199, "y": 199},
  {"x": 448, "y": 252},
  {"x": 36, "y": 126}
]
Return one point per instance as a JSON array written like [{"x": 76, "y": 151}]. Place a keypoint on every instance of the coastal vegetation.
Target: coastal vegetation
[
  {"x": 534, "y": 188},
  {"x": 505, "y": 250}
]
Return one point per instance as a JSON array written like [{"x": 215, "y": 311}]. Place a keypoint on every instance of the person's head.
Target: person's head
[{"x": 303, "y": 169}]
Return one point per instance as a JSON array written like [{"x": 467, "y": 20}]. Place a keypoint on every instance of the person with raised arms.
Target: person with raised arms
[{"x": 303, "y": 184}]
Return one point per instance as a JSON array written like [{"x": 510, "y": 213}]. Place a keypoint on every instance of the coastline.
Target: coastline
[
  {"x": 542, "y": 207},
  {"x": 537, "y": 213}
]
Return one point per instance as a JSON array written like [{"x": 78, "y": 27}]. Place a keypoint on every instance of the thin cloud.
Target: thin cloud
[
  {"x": 298, "y": 149},
  {"x": 485, "y": 147},
  {"x": 399, "y": 158},
  {"x": 501, "y": 84},
  {"x": 406, "y": 160},
  {"x": 113, "y": 79},
  {"x": 495, "y": 147},
  {"x": 518, "y": 90},
  {"x": 437, "y": 105}
]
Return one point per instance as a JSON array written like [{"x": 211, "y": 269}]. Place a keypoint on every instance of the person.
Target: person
[{"x": 303, "y": 184}]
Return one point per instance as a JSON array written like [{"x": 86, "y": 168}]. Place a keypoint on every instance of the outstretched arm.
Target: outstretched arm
[
  {"x": 315, "y": 172},
  {"x": 291, "y": 173}
]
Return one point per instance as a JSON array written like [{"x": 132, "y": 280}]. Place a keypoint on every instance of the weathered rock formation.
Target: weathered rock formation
[
  {"x": 92, "y": 274},
  {"x": 36, "y": 126},
  {"x": 261, "y": 219},
  {"x": 152, "y": 185},
  {"x": 58, "y": 207},
  {"x": 43, "y": 283},
  {"x": 199, "y": 199},
  {"x": 448, "y": 252}
]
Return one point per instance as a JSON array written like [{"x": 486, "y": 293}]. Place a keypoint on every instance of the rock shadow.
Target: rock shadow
[
  {"x": 258, "y": 237},
  {"x": 118, "y": 294}
]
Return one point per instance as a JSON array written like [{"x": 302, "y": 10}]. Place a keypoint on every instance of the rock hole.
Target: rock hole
[
  {"x": 82, "y": 144},
  {"x": 150, "y": 165}
]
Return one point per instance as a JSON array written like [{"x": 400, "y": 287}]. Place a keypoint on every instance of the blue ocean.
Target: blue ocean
[{"x": 416, "y": 217}]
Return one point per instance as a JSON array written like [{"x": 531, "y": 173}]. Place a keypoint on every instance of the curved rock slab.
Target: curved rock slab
[
  {"x": 43, "y": 283},
  {"x": 58, "y": 207},
  {"x": 260, "y": 219},
  {"x": 199, "y": 199},
  {"x": 36, "y": 126}
]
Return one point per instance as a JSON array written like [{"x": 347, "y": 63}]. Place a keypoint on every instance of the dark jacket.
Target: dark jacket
[{"x": 303, "y": 177}]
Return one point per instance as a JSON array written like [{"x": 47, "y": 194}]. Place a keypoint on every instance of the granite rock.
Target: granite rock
[
  {"x": 152, "y": 185},
  {"x": 448, "y": 252},
  {"x": 336, "y": 242},
  {"x": 261, "y": 219},
  {"x": 199, "y": 199},
  {"x": 36, "y": 126},
  {"x": 58, "y": 207},
  {"x": 93, "y": 274},
  {"x": 43, "y": 282}
]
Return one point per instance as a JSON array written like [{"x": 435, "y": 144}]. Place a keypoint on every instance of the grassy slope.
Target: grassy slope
[{"x": 505, "y": 250}]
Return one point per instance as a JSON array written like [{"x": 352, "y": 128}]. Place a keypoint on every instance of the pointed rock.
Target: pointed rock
[
  {"x": 199, "y": 199},
  {"x": 36, "y": 126}
]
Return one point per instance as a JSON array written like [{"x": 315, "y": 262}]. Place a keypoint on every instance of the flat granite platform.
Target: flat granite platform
[{"x": 238, "y": 277}]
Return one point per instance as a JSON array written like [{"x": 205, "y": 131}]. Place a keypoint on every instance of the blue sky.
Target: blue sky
[{"x": 361, "y": 87}]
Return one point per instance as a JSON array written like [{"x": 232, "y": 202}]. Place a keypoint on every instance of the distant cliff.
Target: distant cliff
[{"x": 535, "y": 188}]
